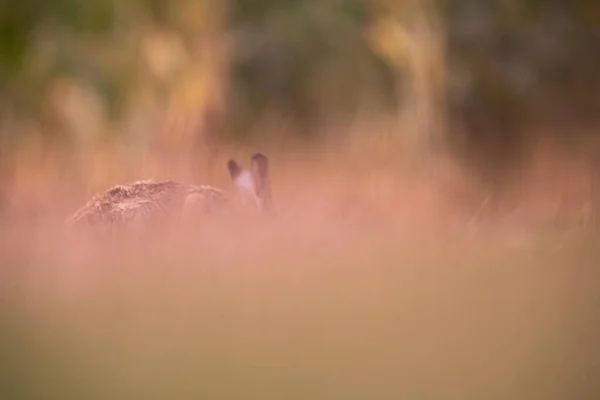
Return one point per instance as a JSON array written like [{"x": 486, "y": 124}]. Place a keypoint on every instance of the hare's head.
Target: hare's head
[{"x": 253, "y": 185}]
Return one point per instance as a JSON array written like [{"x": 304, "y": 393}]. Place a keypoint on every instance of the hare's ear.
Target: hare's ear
[
  {"x": 260, "y": 166},
  {"x": 262, "y": 183},
  {"x": 234, "y": 169}
]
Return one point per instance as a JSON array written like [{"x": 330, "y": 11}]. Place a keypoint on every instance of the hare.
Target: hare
[{"x": 148, "y": 201}]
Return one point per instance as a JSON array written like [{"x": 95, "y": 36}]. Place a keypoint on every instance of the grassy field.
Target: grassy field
[{"x": 344, "y": 299}]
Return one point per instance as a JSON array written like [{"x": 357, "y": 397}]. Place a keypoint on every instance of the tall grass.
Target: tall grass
[{"x": 360, "y": 288}]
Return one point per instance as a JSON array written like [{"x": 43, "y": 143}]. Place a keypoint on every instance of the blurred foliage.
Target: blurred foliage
[
  {"x": 306, "y": 59},
  {"x": 75, "y": 69}
]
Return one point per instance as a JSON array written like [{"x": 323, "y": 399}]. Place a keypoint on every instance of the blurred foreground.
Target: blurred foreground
[{"x": 358, "y": 289}]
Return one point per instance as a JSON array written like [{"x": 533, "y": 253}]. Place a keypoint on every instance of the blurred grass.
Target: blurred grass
[{"x": 281, "y": 311}]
